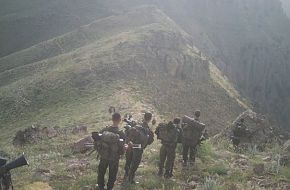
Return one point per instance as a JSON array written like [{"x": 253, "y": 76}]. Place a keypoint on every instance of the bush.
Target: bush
[
  {"x": 204, "y": 151},
  {"x": 210, "y": 184},
  {"x": 219, "y": 169}
]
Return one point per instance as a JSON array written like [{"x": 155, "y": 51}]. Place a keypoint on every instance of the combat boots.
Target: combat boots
[{"x": 131, "y": 178}]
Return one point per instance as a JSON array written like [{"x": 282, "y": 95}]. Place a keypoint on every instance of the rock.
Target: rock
[
  {"x": 80, "y": 145},
  {"x": 49, "y": 132},
  {"x": 43, "y": 174},
  {"x": 34, "y": 134},
  {"x": 286, "y": 146},
  {"x": 80, "y": 129},
  {"x": 28, "y": 136},
  {"x": 259, "y": 169},
  {"x": 267, "y": 159}
]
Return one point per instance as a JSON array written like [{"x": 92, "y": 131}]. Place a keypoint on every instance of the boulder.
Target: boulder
[
  {"x": 29, "y": 135},
  {"x": 80, "y": 145},
  {"x": 49, "y": 132},
  {"x": 80, "y": 129}
]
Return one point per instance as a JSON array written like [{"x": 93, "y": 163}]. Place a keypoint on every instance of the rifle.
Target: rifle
[
  {"x": 19, "y": 162},
  {"x": 91, "y": 145}
]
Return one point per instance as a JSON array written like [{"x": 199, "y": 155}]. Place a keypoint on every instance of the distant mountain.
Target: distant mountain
[{"x": 142, "y": 50}]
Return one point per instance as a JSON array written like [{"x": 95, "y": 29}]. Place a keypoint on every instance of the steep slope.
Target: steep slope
[
  {"x": 154, "y": 62},
  {"x": 23, "y": 24},
  {"x": 248, "y": 40}
]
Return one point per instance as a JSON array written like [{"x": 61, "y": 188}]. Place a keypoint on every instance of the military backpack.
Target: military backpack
[
  {"x": 192, "y": 130},
  {"x": 109, "y": 145},
  {"x": 167, "y": 133},
  {"x": 138, "y": 135}
]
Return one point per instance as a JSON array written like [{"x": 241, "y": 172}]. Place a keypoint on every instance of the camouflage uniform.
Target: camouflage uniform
[
  {"x": 167, "y": 152},
  {"x": 112, "y": 164},
  {"x": 240, "y": 131},
  {"x": 134, "y": 157},
  {"x": 189, "y": 146}
]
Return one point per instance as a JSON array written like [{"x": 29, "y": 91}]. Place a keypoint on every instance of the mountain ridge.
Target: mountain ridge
[{"x": 157, "y": 53}]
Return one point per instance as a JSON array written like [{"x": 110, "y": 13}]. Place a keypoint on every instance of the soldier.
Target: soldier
[
  {"x": 5, "y": 179},
  {"x": 239, "y": 131},
  {"x": 191, "y": 138},
  {"x": 169, "y": 134},
  {"x": 110, "y": 152},
  {"x": 138, "y": 137}
]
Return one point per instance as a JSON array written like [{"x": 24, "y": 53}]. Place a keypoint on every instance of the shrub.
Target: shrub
[
  {"x": 219, "y": 169},
  {"x": 205, "y": 151}
]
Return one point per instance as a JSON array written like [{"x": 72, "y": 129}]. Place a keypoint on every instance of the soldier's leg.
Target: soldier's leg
[
  {"x": 172, "y": 158},
  {"x": 103, "y": 165},
  {"x": 136, "y": 159},
  {"x": 129, "y": 155},
  {"x": 162, "y": 155},
  {"x": 192, "y": 153},
  {"x": 113, "y": 171},
  {"x": 185, "y": 149},
  {"x": 169, "y": 162}
]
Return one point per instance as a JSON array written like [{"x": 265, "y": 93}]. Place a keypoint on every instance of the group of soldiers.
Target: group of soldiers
[{"x": 112, "y": 142}]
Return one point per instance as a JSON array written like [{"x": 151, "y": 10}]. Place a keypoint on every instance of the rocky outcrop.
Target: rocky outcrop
[
  {"x": 80, "y": 146},
  {"x": 260, "y": 131},
  {"x": 34, "y": 134}
]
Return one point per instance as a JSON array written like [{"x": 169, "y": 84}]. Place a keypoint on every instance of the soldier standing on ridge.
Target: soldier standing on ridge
[
  {"x": 169, "y": 134},
  {"x": 239, "y": 131},
  {"x": 135, "y": 152},
  {"x": 191, "y": 138},
  {"x": 110, "y": 147}
]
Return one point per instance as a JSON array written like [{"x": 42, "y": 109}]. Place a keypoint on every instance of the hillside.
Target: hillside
[
  {"x": 247, "y": 40},
  {"x": 23, "y": 24},
  {"x": 153, "y": 56}
]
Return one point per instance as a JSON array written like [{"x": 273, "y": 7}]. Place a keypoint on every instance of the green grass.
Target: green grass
[{"x": 218, "y": 169}]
